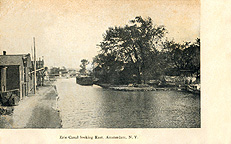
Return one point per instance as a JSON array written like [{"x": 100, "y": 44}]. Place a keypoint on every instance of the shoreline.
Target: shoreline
[{"x": 144, "y": 88}]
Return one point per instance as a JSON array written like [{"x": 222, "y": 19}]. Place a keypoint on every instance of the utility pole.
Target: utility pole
[
  {"x": 34, "y": 67},
  {"x": 32, "y": 54}
]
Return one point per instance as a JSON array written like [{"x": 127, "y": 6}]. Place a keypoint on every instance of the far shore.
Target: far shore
[{"x": 139, "y": 88}]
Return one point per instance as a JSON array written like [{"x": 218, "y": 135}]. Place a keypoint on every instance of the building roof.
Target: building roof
[{"x": 6, "y": 60}]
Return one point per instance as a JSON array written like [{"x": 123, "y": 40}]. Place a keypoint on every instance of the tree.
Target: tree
[
  {"x": 131, "y": 44},
  {"x": 184, "y": 56},
  {"x": 142, "y": 50},
  {"x": 193, "y": 57},
  {"x": 83, "y": 70}
]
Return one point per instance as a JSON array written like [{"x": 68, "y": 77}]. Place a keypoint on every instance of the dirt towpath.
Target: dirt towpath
[{"x": 35, "y": 111}]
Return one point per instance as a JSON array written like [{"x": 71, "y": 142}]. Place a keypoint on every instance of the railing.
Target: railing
[{"x": 37, "y": 70}]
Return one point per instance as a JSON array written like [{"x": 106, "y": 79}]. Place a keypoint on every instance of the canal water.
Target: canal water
[{"x": 96, "y": 107}]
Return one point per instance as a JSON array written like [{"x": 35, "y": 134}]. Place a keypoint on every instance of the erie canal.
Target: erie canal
[{"x": 95, "y": 107}]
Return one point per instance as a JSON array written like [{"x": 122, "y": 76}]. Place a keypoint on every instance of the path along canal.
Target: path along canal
[{"x": 95, "y": 107}]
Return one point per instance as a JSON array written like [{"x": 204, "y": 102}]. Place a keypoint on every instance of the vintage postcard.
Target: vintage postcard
[{"x": 102, "y": 71}]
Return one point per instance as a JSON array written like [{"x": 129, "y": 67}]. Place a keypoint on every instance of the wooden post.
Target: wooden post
[
  {"x": 3, "y": 79},
  {"x": 20, "y": 68},
  {"x": 35, "y": 83},
  {"x": 32, "y": 54}
]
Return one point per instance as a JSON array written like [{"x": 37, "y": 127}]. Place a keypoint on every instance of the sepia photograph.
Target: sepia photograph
[{"x": 80, "y": 64}]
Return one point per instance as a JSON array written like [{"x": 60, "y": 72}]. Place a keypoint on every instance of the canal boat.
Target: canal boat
[
  {"x": 194, "y": 88},
  {"x": 84, "y": 80}
]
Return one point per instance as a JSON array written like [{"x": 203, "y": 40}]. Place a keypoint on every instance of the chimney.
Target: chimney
[{"x": 4, "y": 52}]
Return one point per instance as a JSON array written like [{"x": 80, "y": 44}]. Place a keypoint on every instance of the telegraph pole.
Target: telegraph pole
[
  {"x": 34, "y": 67},
  {"x": 32, "y": 54}
]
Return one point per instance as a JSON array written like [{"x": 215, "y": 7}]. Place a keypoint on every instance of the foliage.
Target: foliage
[
  {"x": 129, "y": 45},
  {"x": 185, "y": 56},
  {"x": 83, "y": 66},
  {"x": 57, "y": 70},
  {"x": 140, "y": 51}
]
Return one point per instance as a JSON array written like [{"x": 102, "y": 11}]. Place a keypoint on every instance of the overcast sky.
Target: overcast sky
[{"x": 67, "y": 31}]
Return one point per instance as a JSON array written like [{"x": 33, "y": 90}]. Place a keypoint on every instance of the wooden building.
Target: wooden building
[{"x": 15, "y": 75}]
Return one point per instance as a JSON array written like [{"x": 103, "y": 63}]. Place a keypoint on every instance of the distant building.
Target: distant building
[
  {"x": 40, "y": 71},
  {"x": 15, "y": 75}
]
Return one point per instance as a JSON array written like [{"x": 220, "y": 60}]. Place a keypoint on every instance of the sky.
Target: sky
[{"x": 67, "y": 31}]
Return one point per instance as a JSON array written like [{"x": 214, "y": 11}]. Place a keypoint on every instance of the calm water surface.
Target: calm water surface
[{"x": 95, "y": 107}]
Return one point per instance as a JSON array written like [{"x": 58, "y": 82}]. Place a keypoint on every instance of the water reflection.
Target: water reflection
[{"x": 94, "y": 107}]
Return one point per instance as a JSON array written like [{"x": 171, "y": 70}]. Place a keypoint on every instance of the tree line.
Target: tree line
[{"x": 140, "y": 51}]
